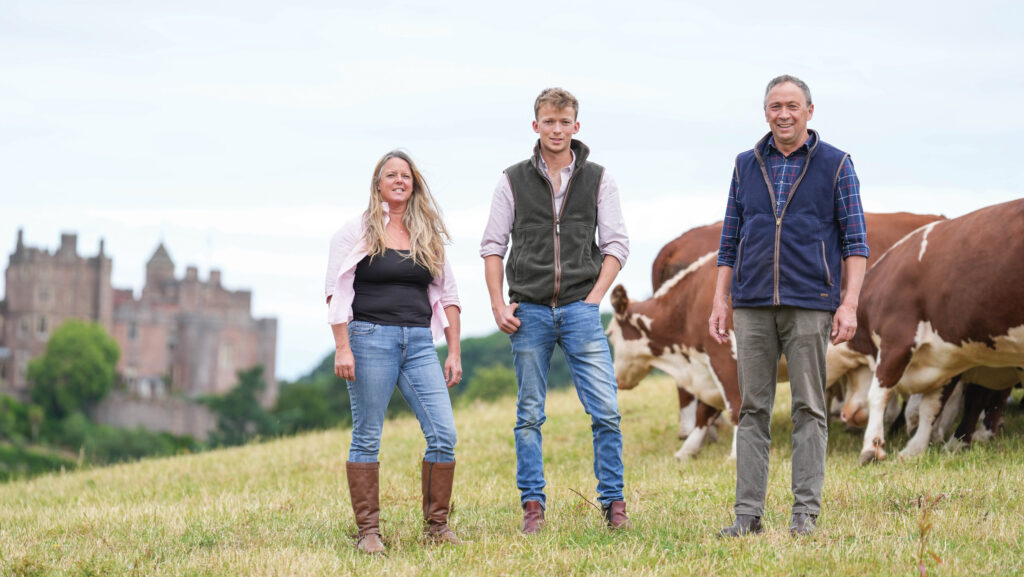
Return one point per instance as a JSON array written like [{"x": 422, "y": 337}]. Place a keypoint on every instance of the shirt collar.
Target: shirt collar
[
  {"x": 805, "y": 147},
  {"x": 571, "y": 167}
]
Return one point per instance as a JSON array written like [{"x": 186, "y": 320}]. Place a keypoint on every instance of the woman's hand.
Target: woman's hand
[
  {"x": 345, "y": 364},
  {"x": 453, "y": 369}
]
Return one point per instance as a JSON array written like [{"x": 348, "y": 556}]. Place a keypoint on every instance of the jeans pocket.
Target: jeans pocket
[{"x": 361, "y": 328}]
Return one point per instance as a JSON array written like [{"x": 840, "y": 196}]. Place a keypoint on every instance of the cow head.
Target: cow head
[
  {"x": 626, "y": 335},
  {"x": 855, "y": 406}
]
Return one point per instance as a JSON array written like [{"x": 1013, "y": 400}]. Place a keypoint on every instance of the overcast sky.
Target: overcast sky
[{"x": 242, "y": 134}]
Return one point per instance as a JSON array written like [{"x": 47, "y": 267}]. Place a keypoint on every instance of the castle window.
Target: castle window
[
  {"x": 44, "y": 294},
  {"x": 23, "y": 327},
  {"x": 133, "y": 331},
  {"x": 42, "y": 325}
]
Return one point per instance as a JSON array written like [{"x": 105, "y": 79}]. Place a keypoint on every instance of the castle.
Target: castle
[{"x": 181, "y": 339}]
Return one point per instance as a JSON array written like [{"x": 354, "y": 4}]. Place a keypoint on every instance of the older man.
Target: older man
[{"x": 793, "y": 215}]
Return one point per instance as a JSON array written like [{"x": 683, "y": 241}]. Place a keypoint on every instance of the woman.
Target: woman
[{"x": 391, "y": 294}]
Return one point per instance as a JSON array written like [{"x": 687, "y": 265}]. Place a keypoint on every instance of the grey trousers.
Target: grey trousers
[{"x": 762, "y": 334}]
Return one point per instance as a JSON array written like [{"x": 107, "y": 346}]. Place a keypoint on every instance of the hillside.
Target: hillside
[{"x": 281, "y": 507}]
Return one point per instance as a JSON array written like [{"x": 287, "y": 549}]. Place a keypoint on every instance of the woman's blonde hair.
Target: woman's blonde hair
[{"x": 427, "y": 231}]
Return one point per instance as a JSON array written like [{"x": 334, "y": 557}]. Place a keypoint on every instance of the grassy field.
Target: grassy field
[{"x": 281, "y": 508}]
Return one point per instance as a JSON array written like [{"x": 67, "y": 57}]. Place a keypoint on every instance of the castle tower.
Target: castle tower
[
  {"x": 43, "y": 290},
  {"x": 159, "y": 275}
]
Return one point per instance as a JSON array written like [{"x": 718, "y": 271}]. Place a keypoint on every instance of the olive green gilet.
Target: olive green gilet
[{"x": 554, "y": 259}]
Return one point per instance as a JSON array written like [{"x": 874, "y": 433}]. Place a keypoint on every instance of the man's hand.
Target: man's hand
[
  {"x": 717, "y": 322},
  {"x": 504, "y": 317},
  {"x": 720, "y": 309},
  {"x": 844, "y": 324},
  {"x": 345, "y": 364}
]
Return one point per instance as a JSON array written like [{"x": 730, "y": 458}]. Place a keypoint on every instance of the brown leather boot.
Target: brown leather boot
[
  {"x": 615, "y": 515},
  {"x": 437, "y": 481},
  {"x": 533, "y": 517},
  {"x": 364, "y": 487}
]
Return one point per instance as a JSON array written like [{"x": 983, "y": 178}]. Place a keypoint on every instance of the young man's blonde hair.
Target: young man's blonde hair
[{"x": 557, "y": 98}]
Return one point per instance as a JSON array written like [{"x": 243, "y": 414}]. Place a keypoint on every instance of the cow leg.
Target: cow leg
[
  {"x": 687, "y": 412},
  {"x": 705, "y": 416},
  {"x": 693, "y": 443},
  {"x": 952, "y": 403},
  {"x": 714, "y": 425},
  {"x": 930, "y": 406},
  {"x": 993, "y": 420},
  {"x": 726, "y": 371},
  {"x": 892, "y": 362},
  {"x": 874, "y": 433},
  {"x": 708, "y": 415},
  {"x": 973, "y": 406},
  {"x": 901, "y": 417},
  {"x": 834, "y": 397},
  {"x": 892, "y": 411},
  {"x": 911, "y": 411}
]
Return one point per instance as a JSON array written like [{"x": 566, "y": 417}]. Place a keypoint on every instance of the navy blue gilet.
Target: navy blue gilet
[{"x": 793, "y": 258}]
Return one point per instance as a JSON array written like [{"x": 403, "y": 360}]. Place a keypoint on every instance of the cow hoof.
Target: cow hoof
[
  {"x": 982, "y": 435},
  {"x": 911, "y": 453},
  {"x": 712, "y": 436},
  {"x": 682, "y": 455},
  {"x": 955, "y": 445},
  {"x": 872, "y": 456}
]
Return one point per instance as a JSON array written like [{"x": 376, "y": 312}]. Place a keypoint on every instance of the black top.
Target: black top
[{"x": 391, "y": 289}]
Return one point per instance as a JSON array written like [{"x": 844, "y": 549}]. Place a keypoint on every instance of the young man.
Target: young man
[
  {"x": 551, "y": 205},
  {"x": 793, "y": 212}
]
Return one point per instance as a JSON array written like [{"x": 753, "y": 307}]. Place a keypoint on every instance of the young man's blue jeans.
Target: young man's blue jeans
[
  {"x": 386, "y": 356},
  {"x": 576, "y": 328}
]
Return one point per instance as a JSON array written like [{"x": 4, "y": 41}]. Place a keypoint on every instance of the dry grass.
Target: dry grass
[{"x": 281, "y": 508}]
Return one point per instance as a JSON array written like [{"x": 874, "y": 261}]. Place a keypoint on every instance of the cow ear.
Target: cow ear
[{"x": 619, "y": 300}]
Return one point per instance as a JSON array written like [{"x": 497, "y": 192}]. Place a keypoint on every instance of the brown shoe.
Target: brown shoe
[
  {"x": 363, "y": 488},
  {"x": 437, "y": 481},
  {"x": 615, "y": 515},
  {"x": 533, "y": 517}
]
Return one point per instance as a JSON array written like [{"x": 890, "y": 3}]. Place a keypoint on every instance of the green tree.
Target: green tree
[
  {"x": 76, "y": 370},
  {"x": 12, "y": 418},
  {"x": 240, "y": 417},
  {"x": 36, "y": 414},
  {"x": 489, "y": 383},
  {"x": 305, "y": 406}
]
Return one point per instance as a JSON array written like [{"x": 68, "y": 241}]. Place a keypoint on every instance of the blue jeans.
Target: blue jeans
[
  {"x": 576, "y": 328},
  {"x": 386, "y": 356}
]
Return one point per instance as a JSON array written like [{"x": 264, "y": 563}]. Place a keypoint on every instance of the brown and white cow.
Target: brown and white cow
[
  {"x": 674, "y": 257},
  {"x": 945, "y": 299},
  {"x": 669, "y": 332}
]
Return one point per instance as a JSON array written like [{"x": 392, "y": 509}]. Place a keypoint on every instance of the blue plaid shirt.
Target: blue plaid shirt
[{"x": 783, "y": 171}]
